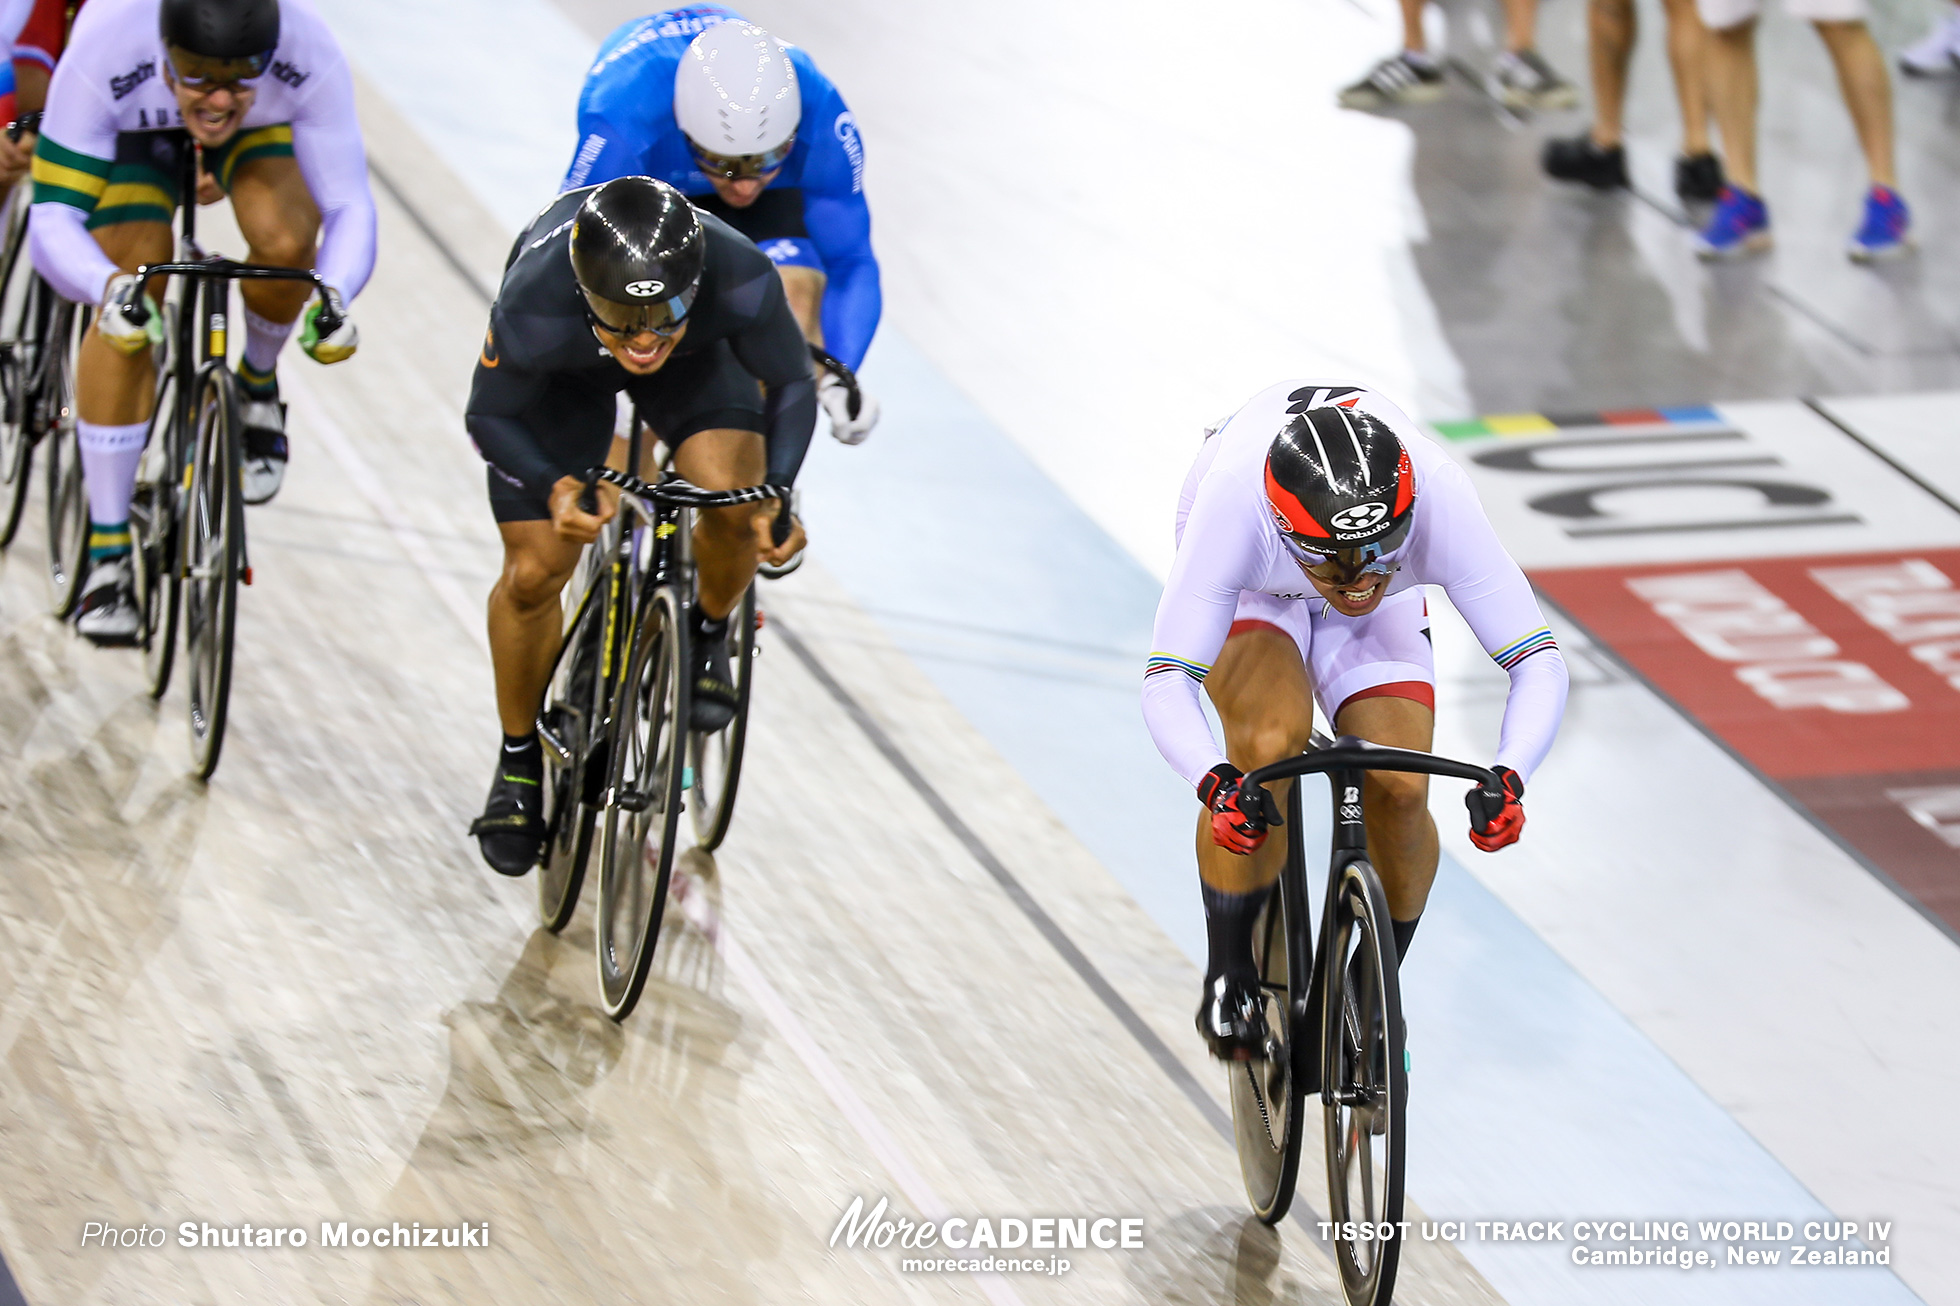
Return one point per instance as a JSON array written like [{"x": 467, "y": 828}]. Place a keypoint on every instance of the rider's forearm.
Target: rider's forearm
[
  {"x": 66, "y": 254},
  {"x": 1532, "y": 710},
  {"x": 852, "y": 303},
  {"x": 1176, "y": 719},
  {"x": 789, "y": 419},
  {"x": 333, "y": 161}
]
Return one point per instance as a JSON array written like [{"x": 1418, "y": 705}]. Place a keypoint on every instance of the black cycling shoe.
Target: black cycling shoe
[
  {"x": 1579, "y": 158},
  {"x": 511, "y": 831},
  {"x": 714, "y": 682},
  {"x": 1698, "y": 178},
  {"x": 1232, "y": 1019}
]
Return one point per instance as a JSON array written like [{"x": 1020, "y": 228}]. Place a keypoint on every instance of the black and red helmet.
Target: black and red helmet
[{"x": 1339, "y": 484}]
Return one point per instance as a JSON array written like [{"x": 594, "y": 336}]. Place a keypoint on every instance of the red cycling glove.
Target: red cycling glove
[
  {"x": 1496, "y": 820},
  {"x": 1239, "y": 816}
]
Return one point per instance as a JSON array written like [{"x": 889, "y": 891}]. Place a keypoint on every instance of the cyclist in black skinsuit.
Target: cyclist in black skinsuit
[{"x": 617, "y": 287}]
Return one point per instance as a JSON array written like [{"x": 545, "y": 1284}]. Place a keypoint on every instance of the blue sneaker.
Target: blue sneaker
[
  {"x": 1740, "y": 226},
  {"x": 1884, "y": 233}
]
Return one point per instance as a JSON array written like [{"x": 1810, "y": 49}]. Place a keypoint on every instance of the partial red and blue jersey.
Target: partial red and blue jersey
[{"x": 812, "y": 215}]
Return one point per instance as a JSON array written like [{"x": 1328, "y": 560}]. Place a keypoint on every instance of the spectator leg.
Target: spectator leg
[
  {"x": 1732, "y": 87},
  {"x": 1611, "y": 29},
  {"x": 1867, "y": 93},
  {"x": 1687, "y": 42}
]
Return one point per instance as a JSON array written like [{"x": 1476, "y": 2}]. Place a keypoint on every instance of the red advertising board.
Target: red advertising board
[{"x": 1838, "y": 676}]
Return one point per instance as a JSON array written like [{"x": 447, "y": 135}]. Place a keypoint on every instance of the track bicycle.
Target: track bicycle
[
  {"x": 613, "y": 725},
  {"x": 1334, "y": 1016},
  {"x": 38, "y": 334},
  {"x": 187, "y": 519}
]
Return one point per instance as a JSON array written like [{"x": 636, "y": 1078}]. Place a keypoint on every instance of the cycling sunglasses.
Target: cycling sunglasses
[
  {"x": 199, "y": 72},
  {"x": 665, "y": 318},
  {"x": 741, "y": 167}
]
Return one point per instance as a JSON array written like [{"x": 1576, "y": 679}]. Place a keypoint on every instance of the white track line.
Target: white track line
[{"x": 888, "y": 1150}]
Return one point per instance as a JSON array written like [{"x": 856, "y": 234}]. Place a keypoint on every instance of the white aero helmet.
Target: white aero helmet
[{"x": 736, "y": 99}]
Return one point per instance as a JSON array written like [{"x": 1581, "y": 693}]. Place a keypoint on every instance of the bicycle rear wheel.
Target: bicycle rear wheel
[
  {"x": 572, "y": 729},
  {"x": 53, "y": 411},
  {"x": 155, "y": 542},
  {"x": 717, "y": 757},
  {"x": 1365, "y": 1087},
  {"x": 214, "y": 555},
  {"x": 1269, "y": 1096},
  {"x": 642, "y": 801}
]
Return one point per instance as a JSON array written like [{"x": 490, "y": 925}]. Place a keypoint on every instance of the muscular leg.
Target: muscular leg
[
  {"x": 1259, "y": 686},
  {"x": 1867, "y": 93},
  {"x": 526, "y": 619},
  {"x": 1732, "y": 85},
  {"x": 1687, "y": 58},
  {"x": 1610, "y": 32},
  {"x": 726, "y": 540},
  {"x": 1401, "y": 833},
  {"x": 804, "y": 286},
  {"x": 281, "y": 224}
]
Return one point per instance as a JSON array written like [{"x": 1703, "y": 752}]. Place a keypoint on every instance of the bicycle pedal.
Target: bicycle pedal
[
  {"x": 687, "y": 778},
  {"x": 628, "y": 800}
]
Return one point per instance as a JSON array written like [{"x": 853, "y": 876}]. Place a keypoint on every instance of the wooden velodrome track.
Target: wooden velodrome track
[{"x": 297, "y": 995}]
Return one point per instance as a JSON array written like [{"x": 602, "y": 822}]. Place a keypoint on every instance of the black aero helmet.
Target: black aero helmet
[
  {"x": 218, "y": 40},
  {"x": 1339, "y": 484},
  {"x": 638, "y": 250}
]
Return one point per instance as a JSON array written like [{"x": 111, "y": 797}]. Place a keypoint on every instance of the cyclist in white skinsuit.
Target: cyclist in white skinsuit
[
  {"x": 1306, "y": 529},
  {"x": 263, "y": 87}
]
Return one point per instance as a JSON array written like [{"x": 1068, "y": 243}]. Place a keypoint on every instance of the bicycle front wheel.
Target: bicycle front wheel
[
  {"x": 1364, "y": 1085},
  {"x": 572, "y": 730},
  {"x": 155, "y": 544},
  {"x": 1268, "y": 1095},
  {"x": 214, "y": 555},
  {"x": 642, "y": 800},
  {"x": 717, "y": 757},
  {"x": 22, "y": 305},
  {"x": 53, "y": 412}
]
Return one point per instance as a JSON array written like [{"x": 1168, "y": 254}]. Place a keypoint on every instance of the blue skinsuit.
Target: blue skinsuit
[{"x": 626, "y": 128}]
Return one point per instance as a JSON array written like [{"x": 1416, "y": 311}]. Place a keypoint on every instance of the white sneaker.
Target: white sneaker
[
  {"x": 107, "y": 613},
  {"x": 1938, "y": 53},
  {"x": 1522, "y": 79},
  {"x": 264, "y": 469}
]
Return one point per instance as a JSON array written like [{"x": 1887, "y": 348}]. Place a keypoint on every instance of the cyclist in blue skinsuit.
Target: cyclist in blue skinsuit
[{"x": 749, "y": 130}]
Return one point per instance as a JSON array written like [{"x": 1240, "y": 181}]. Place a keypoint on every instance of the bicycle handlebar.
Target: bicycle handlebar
[
  {"x": 1351, "y": 753},
  {"x": 844, "y": 375},
  {"x": 676, "y": 491},
  {"x": 137, "y": 313}
]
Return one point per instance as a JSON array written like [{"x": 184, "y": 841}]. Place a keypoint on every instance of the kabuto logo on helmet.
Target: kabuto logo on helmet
[
  {"x": 645, "y": 289},
  {"x": 1362, "y": 517}
]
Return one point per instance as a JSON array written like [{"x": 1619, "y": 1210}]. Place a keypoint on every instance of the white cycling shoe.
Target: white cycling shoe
[
  {"x": 264, "y": 469},
  {"x": 107, "y": 613}
]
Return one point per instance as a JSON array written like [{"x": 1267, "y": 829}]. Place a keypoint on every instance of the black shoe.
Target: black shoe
[
  {"x": 511, "y": 831},
  {"x": 714, "y": 682},
  {"x": 1232, "y": 1019},
  {"x": 1579, "y": 158},
  {"x": 264, "y": 465},
  {"x": 1698, "y": 178}
]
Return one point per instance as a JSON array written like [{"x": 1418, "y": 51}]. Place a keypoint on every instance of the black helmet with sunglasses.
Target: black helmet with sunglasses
[
  {"x": 638, "y": 251},
  {"x": 1340, "y": 487},
  {"x": 216, "y": 41}
]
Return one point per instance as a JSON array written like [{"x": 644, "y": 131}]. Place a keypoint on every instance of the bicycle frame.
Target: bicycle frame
[{"x": 1343, "y": 761}]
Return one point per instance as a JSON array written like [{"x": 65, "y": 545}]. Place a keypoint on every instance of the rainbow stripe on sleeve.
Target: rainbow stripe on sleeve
[
  {"x": 1171, "y": 662},
  {"x": 1537, "y": 641}
]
